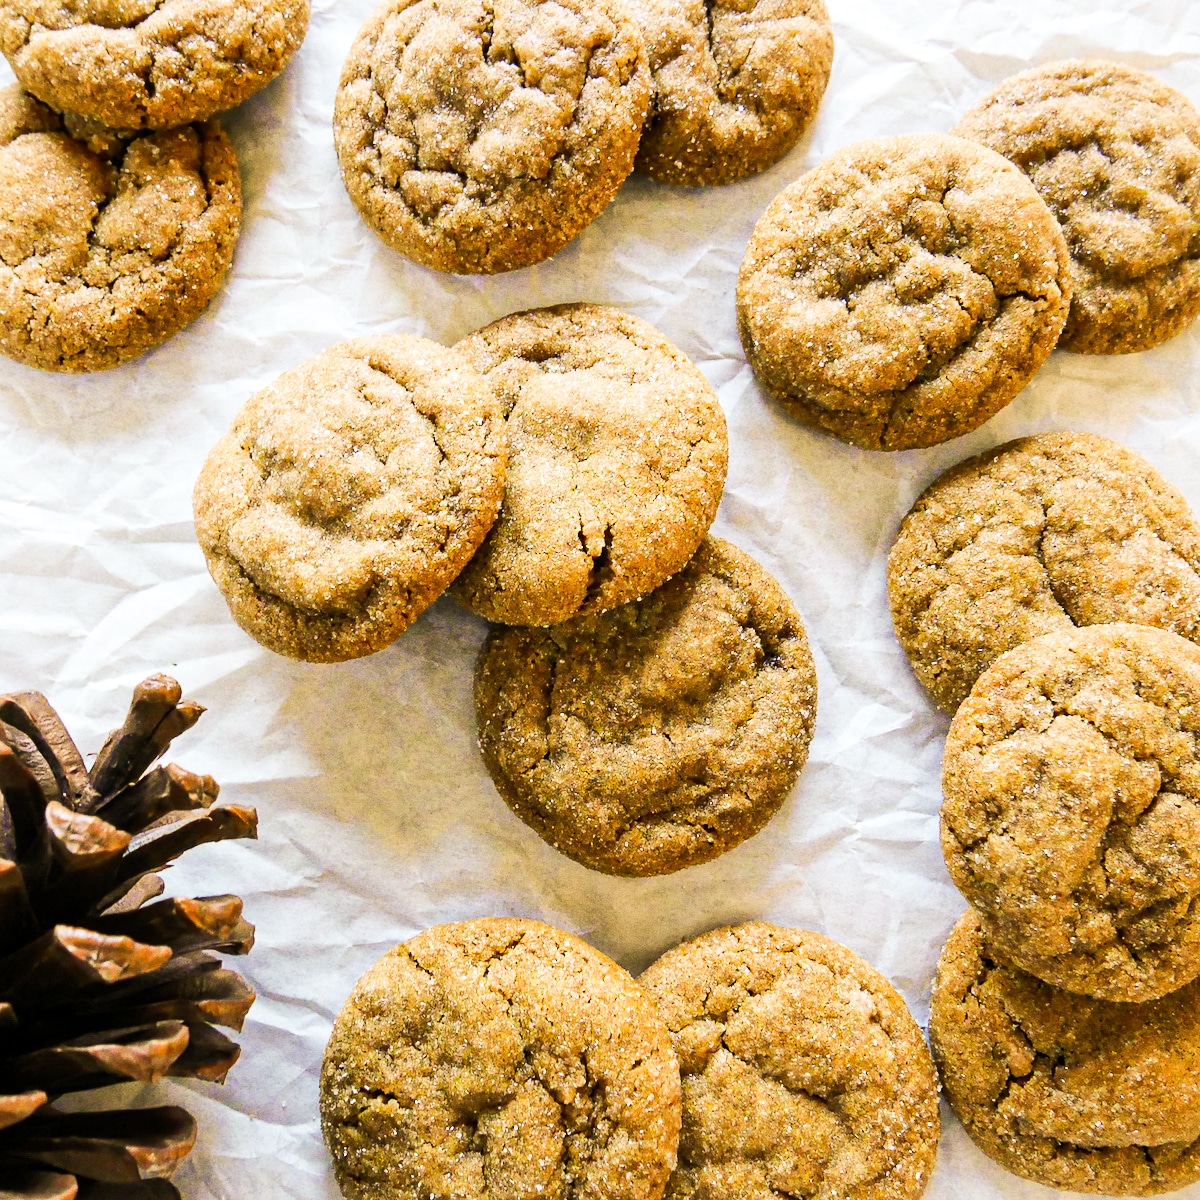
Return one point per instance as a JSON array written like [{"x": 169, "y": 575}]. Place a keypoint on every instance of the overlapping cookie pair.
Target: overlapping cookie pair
[
  {"x": 648, "y": 699},
  {"x": 478, "y": 136},
  {"x": 504, "y": 1057},
  {"x": 120, "y": 198},
  {"x": 1050, "y": 592},
  {"x": 908, "y": 288}
]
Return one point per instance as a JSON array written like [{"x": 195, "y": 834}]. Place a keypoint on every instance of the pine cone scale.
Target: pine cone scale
[{"x": 17, "y": 1108}]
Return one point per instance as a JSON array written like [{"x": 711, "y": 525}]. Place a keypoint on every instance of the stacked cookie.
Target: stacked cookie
[
  {"x": 908, "y": 288},
  {"x": 1049, "y": 591},
  {"x": 120, "y": 199},
  {"x": 504, "y": 1056},
  {"x": 481, "y": 137},
  {"x": 648, "y": 699}
]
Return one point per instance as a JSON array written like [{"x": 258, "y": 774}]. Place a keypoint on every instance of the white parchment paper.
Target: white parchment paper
[{"x": 377, "y": 817}]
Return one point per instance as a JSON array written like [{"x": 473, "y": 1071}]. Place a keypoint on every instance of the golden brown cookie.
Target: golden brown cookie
[
  {"x": 499, "y": 1058},
  {"x": 735, "y": 84},
  {"x": 477, "y": 136},
  {"x": 803, "y": 1072},
  {"x": 149, "y": 64},
  {"x": 349, "y": 493},
  {"x": 659, "y": 734},
  {"x": 1067, "y": 1091},
  {"x": 618, "y": 455},
  {"x": 109, "y": 244},
  {"x": 1116, "y": 155},
  {"x": 1071, "y": 816},
  {"x": 903, "y": 292},
  {"x": 1035, "y": 536}
]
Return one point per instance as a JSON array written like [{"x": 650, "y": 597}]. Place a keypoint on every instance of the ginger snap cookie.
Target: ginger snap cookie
[
  {"x": 1116, "y": 156},
  {"x": 477, "y": 136},
  {"x": 1071, "y": 812},
  {"x": 1036, "y": 536},
  {"x": 735, "y": 84},
  {"x": 499, "y": 1058},
  {"x": 149, "y": 64},
  {"x": 803, "y": 1072},
  {"x": 903, "y": 292},
  {"x": 109, "y": 244},
  {"x": 618, "y": 453},
  {"x": 660, "y": 734},
  {"x": 349, "y": 493},
  {"x": 1062, "y": 1089}
]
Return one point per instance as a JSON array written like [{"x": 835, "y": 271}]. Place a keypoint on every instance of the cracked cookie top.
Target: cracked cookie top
[
  {"x": 904, "y": 291},
  {"x": 1033, "y": 537},
  {"x": 477, "y": 136},
  {"x": 1071, "y": 817},
  {"x": 349, "y": 493},
  {"x": 1068, "y": 1091},
  {"x": 735, "y": 84},
  {"x": 659, "y": 734},
  {"x": 803, "y": 1072},
  {"x": 109, "y": 243},
  {"x": 1116, "y": 156},
  {"x": 149, "y": 64},
  {"x": 499, "y": 1059},
  {"x": 617, "y": 459}
]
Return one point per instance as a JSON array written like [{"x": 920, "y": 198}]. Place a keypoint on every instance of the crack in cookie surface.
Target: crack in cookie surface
[
  {"x": 1036, "y": 536},
  {"x": 135, "y": 64},
  {"x": 481, "y": 135},
  {"x": 618, "y": 457},
  {"x": 803, "y": 1073},
  {"x": 1071, "y": 1092},
  {"x": 499, "y": 1058},
  {"x": 1116, "y": 156},
  {"x": 108, "y": 244},
  {"x": 660, "y": 734},
  {"x": 735, "y": 84},
  {"x": 904, "y": 291},
  {"x": 1071, "y": 816}
]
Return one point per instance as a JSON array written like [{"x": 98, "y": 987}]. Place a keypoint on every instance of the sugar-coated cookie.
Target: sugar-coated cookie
[
  {"x": 1071, "y": 812},
  {"x": 1116, "y": 154},
  {"x": 904, "y": 291},
  {"x": 499, "y": 1058},
  {"x": 109, "y": 243},
  {"x": 149, "y": 64},
  {"x": 1040, "y": 534},
  {"x": 349, "y": 493},
  {"x": 735, "y": 84},
  {"x": 1068, "y": 1091},
  {"x": 659, "y": 734},
  {"x": 803, "y": 1072},
  {"x": 477, "y": 136},
  {"x": 618, "y": 453}
]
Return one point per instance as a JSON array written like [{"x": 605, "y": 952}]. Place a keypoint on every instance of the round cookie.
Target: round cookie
[
  {"x": 803, "y": 1072},
  {"x": 499, "y": 1058},
  {"x": 1116, "y": 156},
  {"x": 1038, "y": 535},
  {"x": 660, "y": 734},
  {"x": 477, "y": 136},
  {"x": 349, "y": 493},
  {"x": 735, "y": 84},
  {"x": 108, "y": 244},
  {"x": 149, "y": 64},
  {"x": 1071, "y": 817},
  {"x": 618, "y": 453},
  {"x": 903, "y": 292},
  {"x": 1067, "y": 1091}
]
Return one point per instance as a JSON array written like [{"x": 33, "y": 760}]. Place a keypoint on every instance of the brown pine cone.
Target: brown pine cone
[{"x": 100, "y": 981}]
